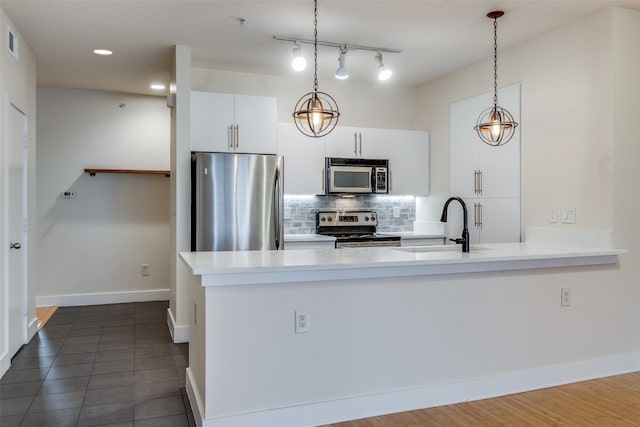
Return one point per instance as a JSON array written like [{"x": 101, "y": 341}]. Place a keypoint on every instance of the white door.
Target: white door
[{"x": 16, "y": 228}]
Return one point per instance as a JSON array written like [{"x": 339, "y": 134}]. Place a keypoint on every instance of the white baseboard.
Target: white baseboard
[
  {"x": 102, "y": 298},
  {"x": 32, "y": 329},
  {"x": 194, "y": 398},
  {"x": 5, "y": 363},
  {"x": 179, "y": 333},
  {"x": 352, "y": 408}
]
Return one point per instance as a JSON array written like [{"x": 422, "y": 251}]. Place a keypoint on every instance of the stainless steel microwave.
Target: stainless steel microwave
[{"x": 356, "y": 176}]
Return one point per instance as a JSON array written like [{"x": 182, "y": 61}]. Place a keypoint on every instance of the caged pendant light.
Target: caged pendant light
[
  {"x": 316, "y": 113},
  {"x": 495, "y": 125}
]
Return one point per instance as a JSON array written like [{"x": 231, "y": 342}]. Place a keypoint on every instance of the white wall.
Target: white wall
[
  {"x": 18, "y": 83},
  {"x": 380, "y": 105},
  {"x": 95, "y": 243},
  {"x": 566, "y": 122}
]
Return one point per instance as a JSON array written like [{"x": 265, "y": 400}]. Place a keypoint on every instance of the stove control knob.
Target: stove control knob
[
  {"x": 323, "y": 219},
  {"x": 329, "y": 219},
  {"x": 373, "y": 218},
  {"x": 366, "y": 218}
]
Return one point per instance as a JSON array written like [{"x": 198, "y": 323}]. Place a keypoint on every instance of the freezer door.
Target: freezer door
[{"x": 238, "y": 201}]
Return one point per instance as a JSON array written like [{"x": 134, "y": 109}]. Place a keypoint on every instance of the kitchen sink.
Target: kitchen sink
[{"x": 437, "y": 248}]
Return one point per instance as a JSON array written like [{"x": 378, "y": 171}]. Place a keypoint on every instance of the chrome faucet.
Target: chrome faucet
[{"x": 464, "y": 241}]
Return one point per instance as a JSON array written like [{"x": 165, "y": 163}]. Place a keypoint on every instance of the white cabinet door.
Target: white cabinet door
[
  {"x": 350, "y": 142},
  {"x": 408, "y": 153},
  {"x": 303, "y": 161},
  {"x": 227, "y": 122},
  {"x": 478, "y": 169},
  {"x": 341, "y": 142},
  {"x": 211, "y": 116},
  {"x": 256, "y": 119},
  {"x": 372, "y": 143},
  {"x": 499, "y": 220},
  {"x": 500, "y": 166}
]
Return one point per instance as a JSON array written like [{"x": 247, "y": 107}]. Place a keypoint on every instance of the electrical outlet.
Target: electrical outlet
[
  {"x": 303, "y": 321},
  {"x": 553, "y": 215},
  {"x": 565, "y": 297},
  {"x": 287, "y": 213},
  {"x": 396, "y": 211},
  {"x": 68, "y": 194},
  {"x": 144, "y": 269}
]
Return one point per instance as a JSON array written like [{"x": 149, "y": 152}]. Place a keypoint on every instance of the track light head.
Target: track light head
[
  {"x": 298, "y": 63},
  {"x": 383, "y": 72},
  {"x": 341, "y": 72}
]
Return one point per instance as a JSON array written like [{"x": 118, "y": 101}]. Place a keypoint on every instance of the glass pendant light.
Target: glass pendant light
[
  {"x": 495, "y": 125},
  {"x": 316, "y": 113}
]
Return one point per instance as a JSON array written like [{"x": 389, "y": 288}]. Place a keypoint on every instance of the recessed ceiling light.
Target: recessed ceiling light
[
  {"x": 103, "y": 52},
  {"x": 157, "y": 86}
]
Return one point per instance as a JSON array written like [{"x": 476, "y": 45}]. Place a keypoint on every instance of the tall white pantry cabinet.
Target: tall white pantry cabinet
[{"x": 487, "y": 178}]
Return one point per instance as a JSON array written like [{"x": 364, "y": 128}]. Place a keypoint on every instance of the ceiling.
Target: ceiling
[{"x": 435, "y": 37}]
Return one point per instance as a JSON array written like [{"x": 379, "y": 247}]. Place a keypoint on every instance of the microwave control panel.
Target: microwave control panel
[{"x": 381, "y": 180}]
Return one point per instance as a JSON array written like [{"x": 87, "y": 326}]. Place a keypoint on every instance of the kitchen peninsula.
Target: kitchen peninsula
[{"x": 387, "y": 329}]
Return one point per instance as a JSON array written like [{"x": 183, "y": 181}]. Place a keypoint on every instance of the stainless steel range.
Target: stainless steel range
[{"x": 353, "y": 229}]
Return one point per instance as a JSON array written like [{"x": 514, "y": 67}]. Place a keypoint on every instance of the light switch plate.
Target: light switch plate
[
  {"x": 553, "y": 215},
  {"x": 568, "y": 215}
]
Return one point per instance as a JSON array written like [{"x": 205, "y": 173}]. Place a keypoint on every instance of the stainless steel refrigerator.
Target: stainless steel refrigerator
[{"x": 236, "y": 201}]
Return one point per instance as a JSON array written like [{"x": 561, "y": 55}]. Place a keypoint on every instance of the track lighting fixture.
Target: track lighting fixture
[
  {"x": 495, "y": 125},
  {"x": 383, "y": 72},
  {"x": 298, "y": 63},
  {"x": 341, "y": 72},
  {"x": 316, "y": 113}
]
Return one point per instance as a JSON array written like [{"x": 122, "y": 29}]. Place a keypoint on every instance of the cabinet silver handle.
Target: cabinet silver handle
[
  {"x": 230, "y": 135},
  {"x": 475, "y": 182},
  {"x": 355, "y": 143},
  {"x": 476, "y": 214},
  {"x": 390, "y": 180},
  {"x": 323, "y": 180},
  {"x": 237, "y": 136},
  {"x": 480, "y": 185},
  {"x": 15, "y": 245},
  {"x": 360, "y": 138}
]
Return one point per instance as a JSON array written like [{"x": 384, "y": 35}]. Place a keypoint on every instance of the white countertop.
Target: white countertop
[
  {"x": 308, "y": 238},
  {"x": 414, "y": 235},
  {"x": 262, "y": 267}
]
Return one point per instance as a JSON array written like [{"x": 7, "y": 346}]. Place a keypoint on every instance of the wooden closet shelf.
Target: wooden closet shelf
[{"x": 93, "y": 172}]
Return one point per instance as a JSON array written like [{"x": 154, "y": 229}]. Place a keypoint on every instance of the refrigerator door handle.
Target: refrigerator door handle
[
  {"x": 278, "y": 210},
  {"x": 237, "y": 144}
]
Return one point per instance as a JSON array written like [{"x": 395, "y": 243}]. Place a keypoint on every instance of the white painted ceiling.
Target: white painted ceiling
[{"x": 435, "y": 37}]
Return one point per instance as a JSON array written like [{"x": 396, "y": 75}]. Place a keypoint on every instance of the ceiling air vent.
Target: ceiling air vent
[{"x": 12, "y": 44}]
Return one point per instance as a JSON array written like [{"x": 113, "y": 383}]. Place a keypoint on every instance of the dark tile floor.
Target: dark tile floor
[{"x": 99, "y": 365}]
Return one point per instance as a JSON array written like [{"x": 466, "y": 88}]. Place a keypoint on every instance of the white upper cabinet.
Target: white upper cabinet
[
  {"x": 236, "y": 123},
  {"x": 478, "y": 169},
  {"x": 351, "y": 142},
  {"x": 408, "y": 153},
  {"x": 303, "y": 161},
  {"x": 486, "y": 177}
]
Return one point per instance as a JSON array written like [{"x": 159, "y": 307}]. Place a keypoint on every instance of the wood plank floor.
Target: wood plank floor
[
  {"x": 43, "y": 314},
  {"x": 611, "y": 401}
]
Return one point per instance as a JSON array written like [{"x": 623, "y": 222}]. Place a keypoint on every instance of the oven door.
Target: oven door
[{"x": 350, "y": 179}]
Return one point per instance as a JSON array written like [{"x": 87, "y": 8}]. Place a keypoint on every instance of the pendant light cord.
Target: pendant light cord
[
  {"x": 495, "y": 62},
  {"x": 315, "y": 45}
]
